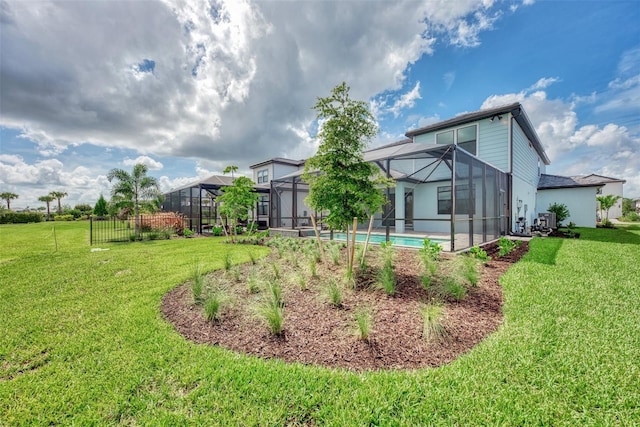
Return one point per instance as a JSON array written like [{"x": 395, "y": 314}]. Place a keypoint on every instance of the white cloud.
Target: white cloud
[
  {"x": 221, "y": 80},
  {"x": 32, "y": 180},
  {"x": 406, "y": 100},
  {"x": 145, "y": 160},
  {"x": 578, "y": 150},
  {"x": 543, "y": 83}
]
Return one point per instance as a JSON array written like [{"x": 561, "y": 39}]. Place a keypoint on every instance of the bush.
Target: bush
[
  {"x": 217, "y": 230},
  {"x": 561, "y": 211},
  {"x": 65, "y": 217},
  {"x": 364, "y": 323},
  {"x": 160, "y": 221},
  {"x": 432, "y": 316},
  {"x": 10, "y": 217},
  {"x": 479, "y": 254},
  {"x": 630, "y": 217},
  {"x": 506, "y": 246}
]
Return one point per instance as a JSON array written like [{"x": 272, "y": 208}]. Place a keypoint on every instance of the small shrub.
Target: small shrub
[
  {"x": 470, "y": 271},
  {"x": 252, "y": 257},
  {"x": 506, "y": 246},
  {"x": 430, "y": 251},
  {"x": 271, "y": 309},
  {"x": 387, "y": 280},
  {"x": 432, "y": 316},
  {"x": 213, "y": 306},
  {"x": 188, "y": 232},
  {"x": 364, "y": 323},
  {"x": 253, "y": 283},
  {"x": 313, "y": 267},
  {"x": 217, "y": 230},
  {"x": 275, "y": 270},
  {"x": 561, "y": 211},
  {"x": 334, "y": 293},
  {"x": 228, "y": 263},
  {"x": 452, "y": 288},
  {"x": 479, "y": 254},
  {"x": 301, "y": 281},
  {"x": 334, "y": 253},
  {"x": 197, "y": 282},
  {"x": 427, "y": 281},
  {"x": 235, "y": 273}
]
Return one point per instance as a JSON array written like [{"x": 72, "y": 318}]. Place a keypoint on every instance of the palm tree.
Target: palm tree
[
  {"x": 134, "y": 190},
  {"x": 230, "y": 169},
  {"x": 607, "y": 202},
  {"x": 8, "y": 196},
  {"x": 59, "y": 195},
  {"x": 47, "y": 199}
]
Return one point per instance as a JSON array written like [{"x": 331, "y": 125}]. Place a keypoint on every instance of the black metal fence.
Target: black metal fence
[{"x": 148, "y": 227}]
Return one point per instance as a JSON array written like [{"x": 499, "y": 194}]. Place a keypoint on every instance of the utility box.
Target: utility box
[{"x": 547, "y": 219}]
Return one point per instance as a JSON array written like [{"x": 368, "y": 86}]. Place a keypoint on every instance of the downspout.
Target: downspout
[
  {"x": 453, "y": 200},
  {"x": 510, "y": 176}
]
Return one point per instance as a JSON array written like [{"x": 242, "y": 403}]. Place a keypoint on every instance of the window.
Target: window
[
  {"x": 465, "y": 137},
  {"x": 464, "y": 200},
  {"x": 263, "y": 205},
  {"x": 263, "y": 176}
]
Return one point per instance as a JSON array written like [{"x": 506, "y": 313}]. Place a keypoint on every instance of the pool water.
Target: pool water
[{"x": 408, "y": 241}]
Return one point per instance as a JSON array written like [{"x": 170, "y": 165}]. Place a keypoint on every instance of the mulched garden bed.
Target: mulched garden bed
[{"x": 318, "y": 333}]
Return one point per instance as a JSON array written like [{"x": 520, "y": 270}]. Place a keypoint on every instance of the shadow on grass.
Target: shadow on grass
[{"x": 629, "y": 234}]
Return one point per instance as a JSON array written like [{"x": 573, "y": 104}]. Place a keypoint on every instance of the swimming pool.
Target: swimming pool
[{"x": 408, "y": 241}]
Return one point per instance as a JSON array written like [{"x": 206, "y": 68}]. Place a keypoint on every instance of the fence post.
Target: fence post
[{"x": 90, "y": 230}]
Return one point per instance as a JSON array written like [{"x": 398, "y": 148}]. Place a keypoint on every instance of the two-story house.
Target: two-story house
[{"x": 467, "y": 180}]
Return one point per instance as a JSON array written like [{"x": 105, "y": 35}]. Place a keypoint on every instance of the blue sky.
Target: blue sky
[{"x": 190, "y": 88}]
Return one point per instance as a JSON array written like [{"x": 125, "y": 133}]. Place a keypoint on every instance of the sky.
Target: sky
[{"x": 189, "y": 87}]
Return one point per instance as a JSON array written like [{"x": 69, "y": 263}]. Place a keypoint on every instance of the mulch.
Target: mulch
[{"x": 317, "y": 333}]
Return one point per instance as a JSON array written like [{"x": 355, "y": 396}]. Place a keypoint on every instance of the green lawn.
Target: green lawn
[{"x": 83, "y": 342}]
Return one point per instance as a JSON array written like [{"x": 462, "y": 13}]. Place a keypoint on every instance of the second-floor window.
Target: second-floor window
[
  {"x": 465, "y": 137},
  {"x": 263, "y": 176}
]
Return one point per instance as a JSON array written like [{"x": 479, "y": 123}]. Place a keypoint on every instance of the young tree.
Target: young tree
[
  {"x": 59, "y": 195},
  {"x": 47, "y": 199},
  {"x": 134, "y": 190},
  {"x": 237, "y": 200},
  {"x": 339, "y": 179},
  {"x": 101, "y": 207},
  {"x": 8, "y": 196},
  {"x": 606, "y": 203}
]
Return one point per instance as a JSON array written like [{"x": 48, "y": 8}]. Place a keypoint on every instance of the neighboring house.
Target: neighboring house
[
  {"x": 579, "y": 196},
  {"x": 608, "y": 186}
]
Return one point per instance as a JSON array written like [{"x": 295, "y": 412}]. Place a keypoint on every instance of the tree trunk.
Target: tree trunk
[
  {"x": 366, "y": 242},
  {"x": 315, "y": 229}
]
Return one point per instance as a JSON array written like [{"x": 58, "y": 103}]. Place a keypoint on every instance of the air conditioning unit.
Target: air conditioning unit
[{"x": 547, "y": 219}]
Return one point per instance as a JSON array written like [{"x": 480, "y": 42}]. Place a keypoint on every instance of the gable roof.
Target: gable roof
[
  {"x": 548, "y": 182},
  {"x": 280, "y": 160},
  {"x": 515, "y": 110},
  {"x": 597, "y": 179}
]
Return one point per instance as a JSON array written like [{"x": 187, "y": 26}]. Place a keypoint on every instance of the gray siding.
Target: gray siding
[
  {"x": 493, "y": 142},
  {"x": 525, "y": 158}
]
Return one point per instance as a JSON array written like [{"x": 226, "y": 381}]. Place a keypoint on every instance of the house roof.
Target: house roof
[
  {"x": 597, "y": 179},
  {"x": 515, "y": 110},
  {"x": 548, "y": 182},
  {"x": 280, "y": 160}
]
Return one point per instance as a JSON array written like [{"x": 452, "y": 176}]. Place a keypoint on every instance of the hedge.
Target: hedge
[{"x": 20, "y": 217}]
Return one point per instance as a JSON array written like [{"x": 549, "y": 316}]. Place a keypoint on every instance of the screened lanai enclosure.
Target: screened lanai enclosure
[
  {"x": 197, "y": 202},
  {"x": 441, "y": 192}
]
